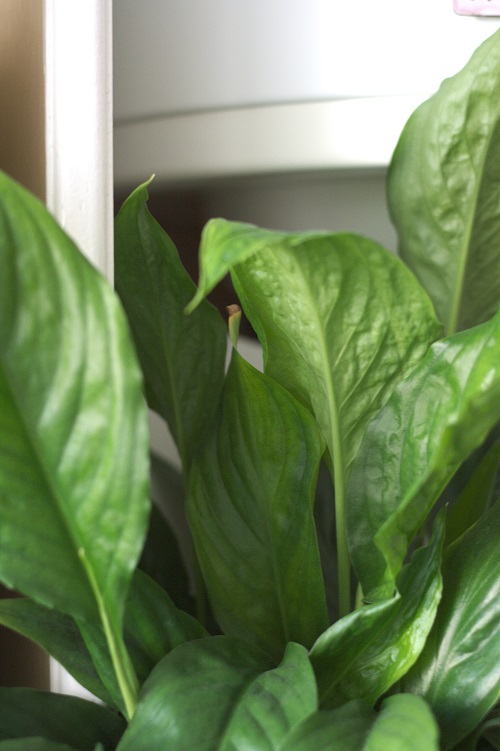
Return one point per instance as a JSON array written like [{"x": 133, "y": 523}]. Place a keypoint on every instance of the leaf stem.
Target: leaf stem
[
  {"x": 120, "y": 658},
  {"x": 343, "y": 557}
]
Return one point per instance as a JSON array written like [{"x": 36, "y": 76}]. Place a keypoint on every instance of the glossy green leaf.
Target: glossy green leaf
[
  {"x": 444, "y": 191},
  {"x": 250, "y": 509},
  {"x": 404, "y": 723},
  {"x": 153, "y": 627},
  {"x": 430, "y": 425},
  {"x": 74, "y": 464},
  {"x": 363, "y": 654},
  {"x": 28, "y": 713},
  {"x": 458, "y": 670},
  {"x": 182, "y": 357},
  {"x": 341, "y": 321},
  {"x": 59, "y": 635},
  {"x": 73, "y": 431},
  {"x": 220, "y": 693}
]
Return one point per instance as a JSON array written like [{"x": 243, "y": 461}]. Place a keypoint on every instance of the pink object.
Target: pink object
[{"x": 477, "y": 7}]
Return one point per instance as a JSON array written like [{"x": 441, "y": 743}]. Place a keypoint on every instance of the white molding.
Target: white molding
[
  {"x": 333, "y": 135},
  {"x": 79, "y": 146},
  {"x": 79, "y": 132}
]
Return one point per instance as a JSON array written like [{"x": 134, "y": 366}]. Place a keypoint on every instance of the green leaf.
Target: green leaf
[
  {"x": 341, "y": 321},
  {"x": 475, "y": 497},
  {"x": 59, "y": 635},
  {"x": 430, "y": 425},
  {"x": 363, "y": 654},
  {"x": 182, "y": 357},
  {"x": 444, "y": 191},
  {"x": 178, "y": 558},
  {"x": 404, "y": 723},
  {"x": 273, "y": 704},
  {"x": 250, "y": 509},
  {"x": 36, "y": 744},
  {"x": 74, "y": 463},
  {"x": 457, "y": 672},
  {"x": 342, "y": 729},
  {"x": 153, "y": 627},
  {"x": 28, "y": 713},
  {"x": 221, "y": 693}
]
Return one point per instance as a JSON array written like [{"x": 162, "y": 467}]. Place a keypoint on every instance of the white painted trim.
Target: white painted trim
[
  {"x": 79, "y": 145},
  {"x": 340, "y": 134},
  {"x": 79, "y": 132}
]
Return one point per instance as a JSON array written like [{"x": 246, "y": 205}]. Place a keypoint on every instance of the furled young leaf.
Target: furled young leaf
[
  {"x": 363, "y": 654},
  {"x": 182, "y": 357},
  {"x": 28, "y": 713},
  {"x": 341, "y": 321},
  {"x": 444, "y": 191},
  {"x": 430, "y": 425},
  {"x": 458, "y": 671},
  {"x": 220, "y": 693},
  {"x": 250, "y": 509},
  {"x": 404, "y": 723},
  {"x": 74, "y": 495}
]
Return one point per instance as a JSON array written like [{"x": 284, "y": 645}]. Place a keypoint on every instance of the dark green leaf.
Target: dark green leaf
[
  {"x": 475, "y": 496},
  {"x": 220, "y": 693},
  {"x": 182, "y": 357},
  {"x": 36, "y": 744},
  {"x": 59, "y": 635},
  {"x": 430, "y": 425},
  {"x": 73, "y": 425},
  {"x": 28, "y": 713},
  {"x": 404, "y": 723},
  {"x": 153, "y": 627},
  {"x": 251, "y": 513},
  {"x": 342, "y": 729},
  {"x": 444, "y": 191},
  {"x": 363, "y": 654},
  {"x": 458, "y": 670}
]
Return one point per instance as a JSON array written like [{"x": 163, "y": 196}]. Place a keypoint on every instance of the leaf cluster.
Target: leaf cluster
[{"x": 322, "y": 572}]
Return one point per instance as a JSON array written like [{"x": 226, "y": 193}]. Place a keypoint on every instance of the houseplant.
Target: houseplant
[{"x": 358, "y": 612}]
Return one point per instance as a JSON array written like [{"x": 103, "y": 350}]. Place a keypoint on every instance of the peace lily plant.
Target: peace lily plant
[{"x": 336, "y": 584}]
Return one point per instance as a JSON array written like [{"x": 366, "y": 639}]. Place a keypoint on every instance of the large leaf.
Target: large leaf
[
  {"x": 341, "y": 321},
  {"x": 429, "y": 426},
  {"x": 250, "y": 509},
  {"x": 74, "y": 463},
  {"x": 28, "y": 713},
  {"x": 444, "y": 191},
  {"x": 220, "y": 693},
  {"x": 458, "y": 670},
  {"x": 363, "y": 654},
  {"x": 404, "y": 723},
  {"x": 182, "y": 357}
]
